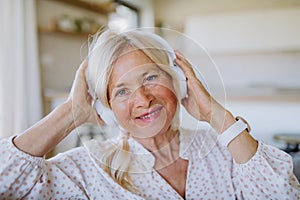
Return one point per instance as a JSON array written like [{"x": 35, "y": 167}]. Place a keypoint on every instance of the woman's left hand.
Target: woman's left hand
[{"x": 199, "y": 103}]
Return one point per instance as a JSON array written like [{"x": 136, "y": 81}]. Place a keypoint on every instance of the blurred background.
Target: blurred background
[{"x": 253, "y": 67}]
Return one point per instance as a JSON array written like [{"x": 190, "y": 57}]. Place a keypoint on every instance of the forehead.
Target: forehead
[{"x": 128, "y": 62}]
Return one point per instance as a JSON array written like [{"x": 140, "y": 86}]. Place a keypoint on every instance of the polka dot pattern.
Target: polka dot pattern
[{"x": 77, "y": 174}]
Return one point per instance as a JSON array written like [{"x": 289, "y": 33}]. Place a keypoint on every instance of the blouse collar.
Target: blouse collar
[
  {"x": 191, "y": 143},
  {"x": 143, "y": 160}
]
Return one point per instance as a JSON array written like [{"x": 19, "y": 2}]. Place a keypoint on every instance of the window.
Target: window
[{"x": 124, "y": 18}]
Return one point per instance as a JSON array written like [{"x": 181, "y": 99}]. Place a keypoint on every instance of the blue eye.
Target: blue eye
[
  {"x": 122, "y": 92},
  {"x": 151, "y": 77}
]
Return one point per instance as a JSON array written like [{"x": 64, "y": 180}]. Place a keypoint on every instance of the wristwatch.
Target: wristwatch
[{"x": 234, "y": 130}]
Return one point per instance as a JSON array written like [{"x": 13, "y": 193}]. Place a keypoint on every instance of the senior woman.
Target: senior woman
[{"x": 129, "y": 80}]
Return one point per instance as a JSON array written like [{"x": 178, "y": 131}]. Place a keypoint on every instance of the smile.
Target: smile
[{"x": 151, "y": 115}]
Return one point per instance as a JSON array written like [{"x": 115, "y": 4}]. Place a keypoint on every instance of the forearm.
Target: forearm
[
  {"x": 241, "y": 148},
  {"x": 47, "y": 133}
]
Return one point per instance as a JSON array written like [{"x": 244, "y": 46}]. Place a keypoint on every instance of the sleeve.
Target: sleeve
[
  {"x": 267, "y": 175},
  {"x": 26, "y": 176}
]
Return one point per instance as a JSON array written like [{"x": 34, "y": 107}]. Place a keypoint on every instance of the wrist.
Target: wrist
[
  {"x": 66, "y": 114},
  {"x": 48, "y": 132},
  {"x": 74, "y": 113},
  {"x": 222, "y": 121},
  {"x": 239, "y": 126}
]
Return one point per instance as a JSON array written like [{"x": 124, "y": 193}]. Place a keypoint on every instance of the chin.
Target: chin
[{"x": 150, "y": 131}]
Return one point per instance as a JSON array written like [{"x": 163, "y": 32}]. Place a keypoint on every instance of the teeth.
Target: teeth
[{"x": 150, "y": 115}]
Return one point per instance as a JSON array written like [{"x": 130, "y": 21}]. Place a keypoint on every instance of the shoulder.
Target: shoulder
[
  {"x": 91, "y": 147},
  {"x": 75, "y": 155}
]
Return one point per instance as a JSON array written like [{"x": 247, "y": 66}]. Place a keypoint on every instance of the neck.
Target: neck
[
  {"x": 159, "y": 141},
  {"x": 164, "y": 147}
]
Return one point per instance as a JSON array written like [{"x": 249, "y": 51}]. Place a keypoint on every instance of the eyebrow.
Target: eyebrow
[
  {"x": 119, "y": 85},
  {"x": 122, "y": 84}
]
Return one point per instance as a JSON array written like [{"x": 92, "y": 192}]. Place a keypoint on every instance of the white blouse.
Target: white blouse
[{"x": 211, "y": 174}]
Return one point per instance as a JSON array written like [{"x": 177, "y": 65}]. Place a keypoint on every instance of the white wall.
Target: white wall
[
  {"x": 256, "y": 57},
  {"x": 253, "y": 49},
  {"x": 247, "y": 31}
]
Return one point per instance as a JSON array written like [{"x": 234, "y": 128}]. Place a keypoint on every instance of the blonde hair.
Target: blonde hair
[{"x": 104, "y": 50}]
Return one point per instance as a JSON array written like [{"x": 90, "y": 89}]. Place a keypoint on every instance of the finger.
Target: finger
[
  {"x": 184, "y": 64},
  {"x": 186, "y": 68},
  {"x": 81, "y": 70},
  {"x": 179, "y": 54},
  {"x": 83, "y": 65},
  {"x": 181, "y": 57}
]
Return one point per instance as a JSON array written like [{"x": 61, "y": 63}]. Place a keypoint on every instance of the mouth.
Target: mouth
[{"x": 149, "y": 116}]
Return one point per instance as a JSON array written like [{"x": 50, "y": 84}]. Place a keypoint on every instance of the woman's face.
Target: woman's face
[{"x": 141, "y": 95}]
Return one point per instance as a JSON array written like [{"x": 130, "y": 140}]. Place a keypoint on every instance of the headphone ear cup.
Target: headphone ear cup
[
  {"x": 106, "y": 114},
  {"x": 182, "y": 81}
]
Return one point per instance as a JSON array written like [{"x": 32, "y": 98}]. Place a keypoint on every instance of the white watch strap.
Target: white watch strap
[{"x": 232, "y": 132}]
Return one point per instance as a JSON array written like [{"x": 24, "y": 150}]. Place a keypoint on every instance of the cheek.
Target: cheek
[
  {"x": 171, "y": 102},
  {"x": 168, "y": 96},
  {"x": 121, "y": 111}
]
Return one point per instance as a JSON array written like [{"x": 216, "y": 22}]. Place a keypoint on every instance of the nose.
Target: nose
[{"x": 142, "y": 97}]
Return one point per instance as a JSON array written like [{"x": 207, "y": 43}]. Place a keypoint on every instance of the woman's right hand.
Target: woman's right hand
[
  {"x": 81, "y": 100},
  {"x": 53, "y": 128}
]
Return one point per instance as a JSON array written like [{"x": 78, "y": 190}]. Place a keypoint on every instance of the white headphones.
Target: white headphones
[{"x": 108, "y": 116}]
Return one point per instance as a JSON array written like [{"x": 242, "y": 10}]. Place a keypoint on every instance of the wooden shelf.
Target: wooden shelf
[
  {"x": 61, "y": 32},
  {"x": 104, "y": 8}
]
